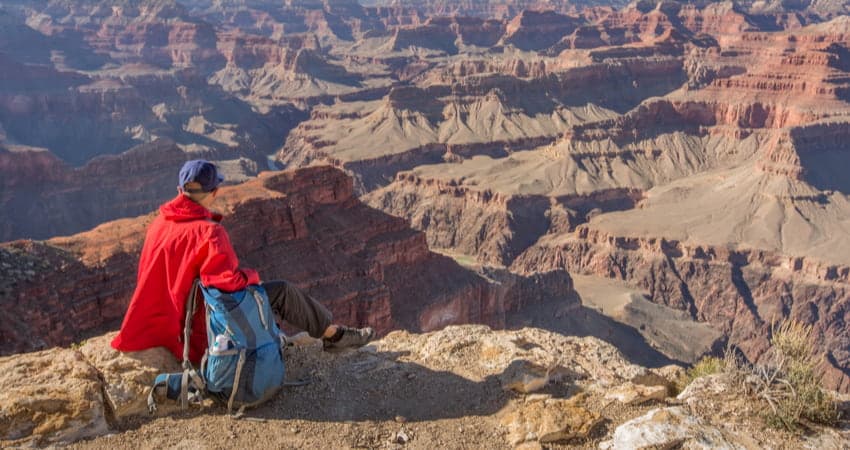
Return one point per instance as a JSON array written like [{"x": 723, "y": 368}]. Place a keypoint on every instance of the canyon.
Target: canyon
[
  {"x": 650, "y": 182},
  {"x": 692, "y": 151}
]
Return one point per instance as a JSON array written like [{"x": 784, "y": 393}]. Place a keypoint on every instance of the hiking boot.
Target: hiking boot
[{"x": 349, "y": 338}]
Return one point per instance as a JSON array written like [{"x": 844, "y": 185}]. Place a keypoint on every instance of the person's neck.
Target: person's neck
[{"x": 200, "y": 201}]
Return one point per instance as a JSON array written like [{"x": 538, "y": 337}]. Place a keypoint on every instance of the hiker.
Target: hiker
[{"x": 186, "y": 242}]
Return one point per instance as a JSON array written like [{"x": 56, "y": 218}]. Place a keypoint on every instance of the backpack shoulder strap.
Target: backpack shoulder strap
[
  {"x": 189, "y": 372},
  {"x": 191, "y": 306}
]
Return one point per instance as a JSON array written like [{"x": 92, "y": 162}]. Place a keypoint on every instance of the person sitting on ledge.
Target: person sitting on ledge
[{"x": 186, "y": 242}]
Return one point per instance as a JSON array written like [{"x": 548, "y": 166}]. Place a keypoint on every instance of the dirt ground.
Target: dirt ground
[{"x": 356, "y": 399}]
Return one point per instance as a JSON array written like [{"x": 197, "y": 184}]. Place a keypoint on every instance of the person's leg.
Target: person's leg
[
  {"x": 304, "y": 312},
  {"x": 299, "y": 309}
]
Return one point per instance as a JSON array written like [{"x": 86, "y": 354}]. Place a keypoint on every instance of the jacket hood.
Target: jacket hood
[{"x": 182, "y": 209}]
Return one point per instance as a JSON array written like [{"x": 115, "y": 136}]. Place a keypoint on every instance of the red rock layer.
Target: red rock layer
[
  {"x": 305, "y": 226},
  {"x": 250, "y": 52},
  {"x": 162, "y": 33},
  {"x": 538, "y": 30},
  {"x": 504, "y": 9}
]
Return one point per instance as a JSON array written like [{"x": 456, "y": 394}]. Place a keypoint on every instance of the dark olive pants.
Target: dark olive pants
[{"x": 297, "y": 308}]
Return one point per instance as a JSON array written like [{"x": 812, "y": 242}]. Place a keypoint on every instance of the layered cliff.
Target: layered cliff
[
  {"x": 42, "y": 196},
  {"x": 499, "y": 9},
  {"x": 721, "y": 199},
  {"x": 305, "y": 226},
  {"x": 491, "y": 114}
]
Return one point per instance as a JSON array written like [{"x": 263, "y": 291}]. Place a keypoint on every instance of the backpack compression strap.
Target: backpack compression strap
[{"x": 189, "y": 385}]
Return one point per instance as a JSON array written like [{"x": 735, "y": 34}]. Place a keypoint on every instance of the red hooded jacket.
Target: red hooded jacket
[{"x": 183, "y": 243}]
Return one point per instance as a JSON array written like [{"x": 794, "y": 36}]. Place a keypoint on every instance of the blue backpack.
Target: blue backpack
[{"x": 243, "y": 365}]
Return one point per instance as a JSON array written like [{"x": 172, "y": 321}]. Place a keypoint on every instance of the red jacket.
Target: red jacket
[{"x": 184, "y": 242}]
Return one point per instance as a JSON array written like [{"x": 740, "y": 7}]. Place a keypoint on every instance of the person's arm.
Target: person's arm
[{"x": 221, "y": 269}]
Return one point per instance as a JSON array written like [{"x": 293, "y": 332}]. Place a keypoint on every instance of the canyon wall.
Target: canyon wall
[
  {"x": 43, "y": 196},
  {"x": 721, "y": 199},
  {"x": 305, "y": 226},
  {"x": 741, "y": 292}
]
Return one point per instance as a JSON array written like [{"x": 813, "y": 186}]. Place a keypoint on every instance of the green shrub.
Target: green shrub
[{"x": 706, "y": 366}]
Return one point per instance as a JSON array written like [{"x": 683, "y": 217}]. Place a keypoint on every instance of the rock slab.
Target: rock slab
[
  {"x": 549, "y": 420},
  {"x": 52, "y": 396}
]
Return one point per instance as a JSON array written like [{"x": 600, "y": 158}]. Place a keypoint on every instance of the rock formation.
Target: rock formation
[
  {"x": 304, "y": 226},
  {"x": 720, "y": 198},
  {"x": 45, "y": 197}
]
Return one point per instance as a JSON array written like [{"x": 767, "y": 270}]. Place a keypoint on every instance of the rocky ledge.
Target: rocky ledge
[{"x": 464, "y": 386}]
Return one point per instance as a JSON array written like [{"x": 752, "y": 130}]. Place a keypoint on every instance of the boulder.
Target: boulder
[
  {"x": 547, "y": 420},
  {"x": 127, "y": 376},
  {"x": 703, "y": 387},
  {"x": 524, "y": 377},
  {"x": 668, "y": 428},
  {"x": 520, "y": 358},
  {"x": 52, "y": 396},
  {"x": 666, "y": 376}
]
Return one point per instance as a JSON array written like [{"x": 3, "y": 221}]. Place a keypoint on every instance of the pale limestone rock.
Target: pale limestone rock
[
  {"x": 666, "y": 376},
  {"x": 668, "y": 428},
  {"x": 635, "y": 394},
  {"x": 549, "y": 420},
  {"x": 128, "y": 375},
  {"x": 49, "y": 397},
  {"x": 672, "y": 373},
  {"x": 303, "y": 339},
  {"x": 476, "y": 352},
  {"x": 524, "y": 377}
]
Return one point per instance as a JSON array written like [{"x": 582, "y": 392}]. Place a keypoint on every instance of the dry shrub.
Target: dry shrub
[{"x": 786, "y": 379}]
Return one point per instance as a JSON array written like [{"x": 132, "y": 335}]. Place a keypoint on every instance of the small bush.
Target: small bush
[
  {"x": 789, "y": 383},
  {"x": 705, "y": 366}
]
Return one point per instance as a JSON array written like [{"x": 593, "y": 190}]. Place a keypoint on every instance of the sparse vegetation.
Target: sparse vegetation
[
  {"x": 786, "y": 379},
  {"x": 795, "y": 391},
  {"x": 706, "y": 366}
]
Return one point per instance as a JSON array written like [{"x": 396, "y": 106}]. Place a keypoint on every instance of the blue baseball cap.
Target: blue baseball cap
[{"x": 200, "y": 171}]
